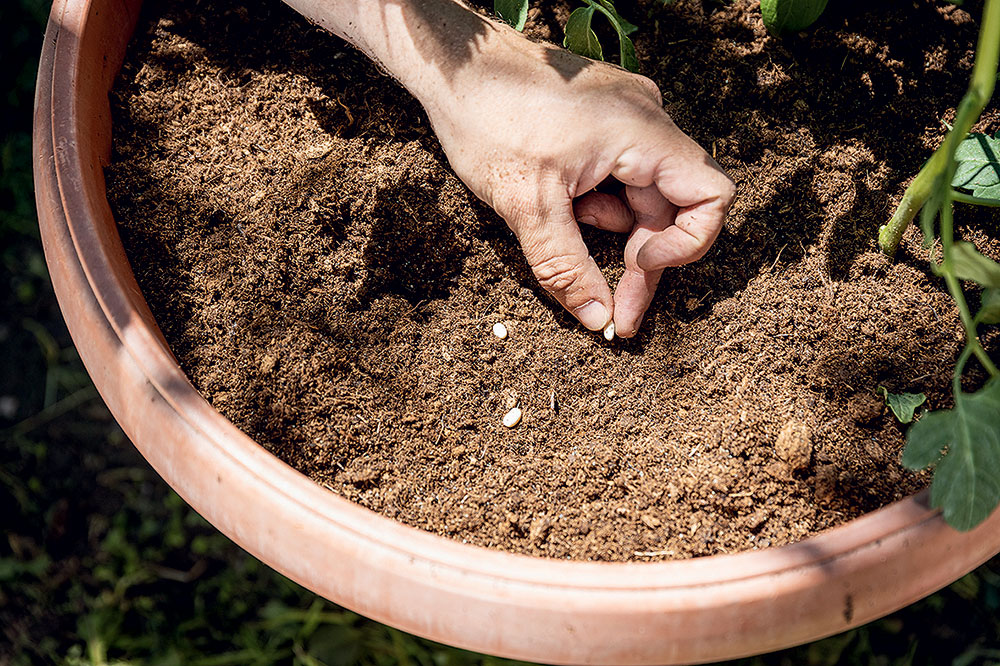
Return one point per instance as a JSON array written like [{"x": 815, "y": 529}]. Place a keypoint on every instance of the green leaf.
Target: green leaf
[
  {"x": 969, "y": 264},
  {"x": 623, "y": 27},
  {"x": 626, "y": 49},
  {"x": 978, "y": 170},
  {"x": 784, "y": 16},
  {"x": 967, "y": 479},
  {"x": 627, "y": 54},
  {"x": 991, "y": 192},
  {"x": 902, "y": 404},
  {"x": 513, "y": 12},
  {"x": 580, "y": 37},
  {"x": 989, "y": 307}
]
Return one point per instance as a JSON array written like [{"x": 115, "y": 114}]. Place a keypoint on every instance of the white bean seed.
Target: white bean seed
[
  {"x": 609, "y": 332},
  {"x": 500, "y": 330},
  {"x": 512, "y": 418}
]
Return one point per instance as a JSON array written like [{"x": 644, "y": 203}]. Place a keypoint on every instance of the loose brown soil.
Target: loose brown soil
[{"x": 329, "y": 285}]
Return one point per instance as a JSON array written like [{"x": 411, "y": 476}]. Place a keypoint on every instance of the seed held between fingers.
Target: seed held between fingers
[{"x": 609, "y": 332}]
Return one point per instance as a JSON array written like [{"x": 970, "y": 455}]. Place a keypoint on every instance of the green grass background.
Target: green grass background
[{"x": 101, "y": 563}]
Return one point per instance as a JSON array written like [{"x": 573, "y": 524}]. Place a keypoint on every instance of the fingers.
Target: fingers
[
  {"x": 562, "y": 264},
  {"x": 703, "y": 203},
  {"x": 688, "y": 178},
  {"x": 635, "y": 291},
  {"x": 604, "y": 211}
]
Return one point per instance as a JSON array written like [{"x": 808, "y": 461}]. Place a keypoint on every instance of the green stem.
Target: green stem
[
  {"x": 614, "y": 24},
  {"x": 956, "y": 378},
  {"x": 962, "y": 197},
  {"x": 984, "y": 76},
  {"x": 955, "y": 288}
]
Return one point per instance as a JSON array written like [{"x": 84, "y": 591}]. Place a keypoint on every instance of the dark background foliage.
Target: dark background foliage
[{"x": 101, "y": 563}]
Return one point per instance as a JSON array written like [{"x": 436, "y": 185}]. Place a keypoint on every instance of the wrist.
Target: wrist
[{"x": 462, "y": 66}]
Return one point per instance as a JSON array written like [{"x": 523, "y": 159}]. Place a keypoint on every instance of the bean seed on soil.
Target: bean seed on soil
[
  {"x": 512, "y": 418},
  {"x": 500, "y": 331}
]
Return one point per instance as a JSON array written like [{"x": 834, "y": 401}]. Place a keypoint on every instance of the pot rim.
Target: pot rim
[{"x": 68, "y": 208}]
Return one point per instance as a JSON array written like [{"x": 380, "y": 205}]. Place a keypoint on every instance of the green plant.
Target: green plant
[
  {"x": 785, "y": 16},
  {"x": 962, "y": 443},
  {"x": 780, "y": 17},
  {"x": 580, "y": 36},
  {"x": 903, "y": 405}
]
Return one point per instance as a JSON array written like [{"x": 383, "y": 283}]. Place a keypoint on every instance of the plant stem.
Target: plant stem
[
  {"x": 984, "y": 75},
  {"x": 955, "y": 288},
  {"x": 956, "y": 378},
  {"x": 962, "y": 197}
]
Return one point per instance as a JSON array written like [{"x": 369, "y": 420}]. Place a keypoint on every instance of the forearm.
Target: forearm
[{"x": 422, "y": 43}]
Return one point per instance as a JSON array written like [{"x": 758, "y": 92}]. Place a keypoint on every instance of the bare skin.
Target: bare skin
[{"x": 532, "y": 129}]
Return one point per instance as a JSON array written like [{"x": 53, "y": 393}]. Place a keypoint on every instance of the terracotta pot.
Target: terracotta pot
[{"x": 510, "y": 605}]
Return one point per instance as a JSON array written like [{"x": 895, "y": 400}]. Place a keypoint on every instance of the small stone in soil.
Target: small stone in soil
[
  {"x": 512, "y": 418},
  {"x": 500, "y": 331},
  {"x": 539, "y": 530},
  {"x": 318, "y": 152},
  {"x": 794, "y": 445}
]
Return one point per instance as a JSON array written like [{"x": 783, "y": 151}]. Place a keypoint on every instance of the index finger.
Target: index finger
[{"x": 561, "y": 262}]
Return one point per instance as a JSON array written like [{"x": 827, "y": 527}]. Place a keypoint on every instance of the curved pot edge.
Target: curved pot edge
[{"x": 910, "y": 514}]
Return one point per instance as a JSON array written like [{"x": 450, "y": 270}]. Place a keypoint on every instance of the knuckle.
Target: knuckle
[
  {"x": 649, "y": 87},
  {"x": 558, "y": 273},
  {"x": 727, "y": 191}
]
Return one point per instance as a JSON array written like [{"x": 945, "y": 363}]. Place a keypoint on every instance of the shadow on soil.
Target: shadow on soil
[{"x": 819, "y": 130}]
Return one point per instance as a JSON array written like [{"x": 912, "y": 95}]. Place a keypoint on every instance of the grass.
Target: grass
[{"x": 103, "y": 564}]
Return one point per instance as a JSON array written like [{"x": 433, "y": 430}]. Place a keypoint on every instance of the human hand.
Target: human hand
[{"x": 533, "y": 129}]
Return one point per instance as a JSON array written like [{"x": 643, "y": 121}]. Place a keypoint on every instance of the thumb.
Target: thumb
[{"x": 551, "y": 241}]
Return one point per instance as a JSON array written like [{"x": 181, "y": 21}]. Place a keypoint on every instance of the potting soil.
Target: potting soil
[{"x": 330, "y": 286}]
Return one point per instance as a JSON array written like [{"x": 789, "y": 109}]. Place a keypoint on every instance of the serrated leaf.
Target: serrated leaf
[
  {"x": 989, "y": 307},
  {"x": 580, "y": 37},
  {"x": 966, "y": 483},
  {"x": 902, "y": 404},
  {"x": 784, "y": 16},
  {"x": 513, "y": 12},
  {"x": 978, "y": 170},
  {"x": 969, "y": 264}
]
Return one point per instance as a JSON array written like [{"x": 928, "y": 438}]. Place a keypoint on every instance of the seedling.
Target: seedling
[
  {"x": 780, "y": 16},
  {"x": 580, "y": 36},
  {"x": 903, "y": 405},
  {"x": 963, "y": 443},
  {"x": 784, "y": 16}
]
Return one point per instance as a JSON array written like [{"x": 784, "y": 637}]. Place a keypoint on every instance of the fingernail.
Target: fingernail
[
  {"x": 642, "y": 256},
  {"x": 587, "y": 219},
  {"x": 593, "y": 315}
]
